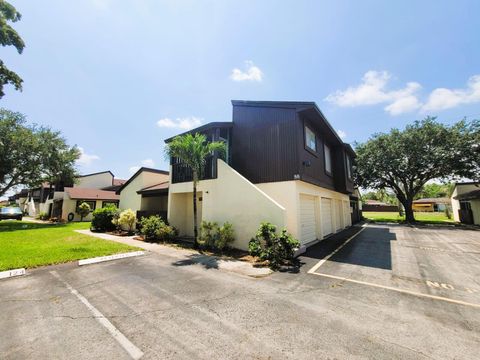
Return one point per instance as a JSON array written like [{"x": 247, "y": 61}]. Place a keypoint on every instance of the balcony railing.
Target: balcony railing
[{"x": 183, "y": 173}]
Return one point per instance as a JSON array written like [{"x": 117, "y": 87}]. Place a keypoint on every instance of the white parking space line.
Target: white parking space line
[
  {"x": 321, "y": 262},
  {"x": 110, "y": 258},
  {"x": 434, "y": 297},
  {"x": 129, "y": 347}
]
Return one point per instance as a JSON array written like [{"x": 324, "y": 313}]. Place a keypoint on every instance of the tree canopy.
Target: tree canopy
[
  {"x": 405, "y": 160},
  {"x": 9, "y": 37},
  {"x": 31, "y": 154}
]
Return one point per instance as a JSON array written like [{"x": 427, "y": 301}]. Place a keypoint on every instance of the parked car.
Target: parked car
[{"x": 11, "y": 212}]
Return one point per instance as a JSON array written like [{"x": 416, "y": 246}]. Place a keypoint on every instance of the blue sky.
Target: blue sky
[{"x": 117, "y": 77}]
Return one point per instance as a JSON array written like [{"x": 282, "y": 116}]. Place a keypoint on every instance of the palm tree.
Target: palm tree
[{"x": 193, "y": 151}]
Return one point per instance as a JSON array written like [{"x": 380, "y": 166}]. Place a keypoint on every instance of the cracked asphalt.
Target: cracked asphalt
[{"x": 173, "y": 311}]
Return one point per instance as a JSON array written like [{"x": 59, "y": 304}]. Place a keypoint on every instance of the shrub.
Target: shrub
[
  {"x": 226, "y": 236},
  {"x": 214, "y": 237},
  {"x": 149, "y": 226},
  {"x": 127, "y": 218},
  {"x": 166, "y": 232},
  {"x": 102, "y": 219},
  {"x": 83, "y": 210},
  {"x": 268, "y": 245},
  {"x": 43, "y": 216},
  {"x": 208, "y": 234}
]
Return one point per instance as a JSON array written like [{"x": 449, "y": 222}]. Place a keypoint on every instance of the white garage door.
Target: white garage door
[
  {"x": 307, "y": 219},
  {"x": 327, "y": 227},
  {"x": 339, "y": 215}
]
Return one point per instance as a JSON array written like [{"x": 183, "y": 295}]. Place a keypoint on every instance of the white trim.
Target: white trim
[
  {"x": 109, "y": 258},
  {"x": 12, "y": 273}
]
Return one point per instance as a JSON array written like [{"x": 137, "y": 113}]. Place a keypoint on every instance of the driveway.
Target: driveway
[
  {"x": 430, "y": 262},
  {"x": 159, "y": 307}
]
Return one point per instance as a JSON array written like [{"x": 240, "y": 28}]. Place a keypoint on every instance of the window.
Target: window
[
  {"x": 91, "y": 203},
  {"x": 328, "y": 160},
  {"x": 349, "y": 167},
  {"x": 110, "y": 203},
  {"x": 310, "y": 139}
]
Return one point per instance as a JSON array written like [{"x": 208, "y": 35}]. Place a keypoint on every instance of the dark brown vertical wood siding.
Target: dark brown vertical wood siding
[{"x": 264, "y": 146}]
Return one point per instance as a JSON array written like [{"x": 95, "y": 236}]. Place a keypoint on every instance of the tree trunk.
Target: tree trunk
[
  {"x": 195, "y": 229},
  {"x": 409, "y": 216}
]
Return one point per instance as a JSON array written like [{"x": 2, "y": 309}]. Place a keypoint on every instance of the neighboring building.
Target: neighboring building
[
  {"x": 61, "y": 200},
  {"x": 378, "y": 206},
  {"x": 431, "y": 204},
  {"x": 466, "y": 203},
  {"x": 146, "y": 193},
  {"x": 284, "y": 164}
]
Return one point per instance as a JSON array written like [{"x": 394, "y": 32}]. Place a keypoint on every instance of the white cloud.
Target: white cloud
[
  {"x": 101, "y": 4},
  {"x": 342, "y": 134},
  {"x": 185, "y": 123},
  {"x": 147, "y": 163},
  {"x": 373, "y": 90},
  {"x": 86, "y": 159},
  {"x": 443, "y": 98},
  {"x": 251, "y": 73}
]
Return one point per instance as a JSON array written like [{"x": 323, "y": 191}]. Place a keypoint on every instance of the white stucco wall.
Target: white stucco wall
[
  {"x": 129, "y": 199},
  {"x": 96, "y": 181},
  {"x": 287, "y": 194},
  {"x": 230, "y": 197},
  {"x": 69, "y": 206}
]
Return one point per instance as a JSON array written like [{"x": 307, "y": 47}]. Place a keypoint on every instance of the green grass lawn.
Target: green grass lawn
[
  {"x": 425, "y": 217},
  {"x": 26, "y": 244}
]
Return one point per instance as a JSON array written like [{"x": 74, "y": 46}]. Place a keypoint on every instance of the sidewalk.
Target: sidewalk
[{"x": 187, "y": 256}]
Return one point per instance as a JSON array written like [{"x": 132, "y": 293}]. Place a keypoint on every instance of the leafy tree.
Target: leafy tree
[
  {"x": 30, "y": 155},
  {"x": 83, "y": 210},
  {"x": 8, "y": 36},
  {"x": 405, "y": 161},
  {"x": 434, "y": 190},
  {"x": 193, "y": 151}
]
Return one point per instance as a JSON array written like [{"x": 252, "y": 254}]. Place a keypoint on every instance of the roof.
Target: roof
[
  {"x": 117, "y": 182},
  {"x": 91, "y": 194},
  {"x": 211, "y": 125},
  {"x": 97, "y": 173},
  {"x": 375, "y": 202},
  {"x": 432, "y": 201},
  {"x": 139, "y": 171},
  {"x": 471, "y": 195},
  {"x": 155, "y": 189}
]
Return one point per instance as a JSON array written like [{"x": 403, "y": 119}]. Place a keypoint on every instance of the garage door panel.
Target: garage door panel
[
  {"x": 326, "y": 216},
  {"x": 307, "y": 219}
]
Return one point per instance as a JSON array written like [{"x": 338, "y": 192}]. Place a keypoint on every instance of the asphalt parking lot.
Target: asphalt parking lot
[
  {"x": 366, "y": 301},
  {"x": 437, "y": 262}
]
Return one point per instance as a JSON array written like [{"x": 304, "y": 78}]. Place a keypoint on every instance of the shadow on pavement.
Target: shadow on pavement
[
  {"x": 209, "y": 262},
  {"x": 371, "y": 248}
]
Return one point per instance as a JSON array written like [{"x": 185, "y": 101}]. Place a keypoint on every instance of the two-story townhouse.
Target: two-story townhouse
[{"x": 284, "y": 164}]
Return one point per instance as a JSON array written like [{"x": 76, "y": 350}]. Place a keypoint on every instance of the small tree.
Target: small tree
[
  {"x": 83, "y": 210},
  {"x": 128, "y": 218},
  {"x": 193, "y": 151},
  {"x": 405, "y": 161}
]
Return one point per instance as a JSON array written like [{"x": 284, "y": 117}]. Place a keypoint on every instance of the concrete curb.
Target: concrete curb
[
  {"x": 11, "y": 273},
  {"x": 99, "y": 259}
]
